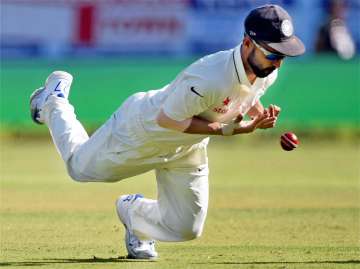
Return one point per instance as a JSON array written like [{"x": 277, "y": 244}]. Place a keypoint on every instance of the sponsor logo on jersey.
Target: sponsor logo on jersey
[{"x": 194, "y": 91}]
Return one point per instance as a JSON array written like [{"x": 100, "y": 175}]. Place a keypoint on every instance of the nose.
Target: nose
[{"x": 277, "y": 63}]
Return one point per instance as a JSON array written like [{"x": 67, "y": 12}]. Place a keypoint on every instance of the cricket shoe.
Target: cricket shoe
[
  {"x": 58, "y": 84},
  {"x": 137, "y": 249}
]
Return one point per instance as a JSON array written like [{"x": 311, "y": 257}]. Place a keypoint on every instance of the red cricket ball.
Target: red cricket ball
[{"x": 289, "y": 141}]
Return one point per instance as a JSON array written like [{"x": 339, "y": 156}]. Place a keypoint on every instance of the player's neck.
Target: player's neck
[{"x": 248, "y": 71}]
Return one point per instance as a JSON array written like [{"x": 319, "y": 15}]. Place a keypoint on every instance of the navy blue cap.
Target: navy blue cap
[{"x": 272, "y": 25}]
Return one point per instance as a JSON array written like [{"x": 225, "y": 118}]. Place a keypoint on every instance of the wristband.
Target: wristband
[{"x": 228, "y": 129}]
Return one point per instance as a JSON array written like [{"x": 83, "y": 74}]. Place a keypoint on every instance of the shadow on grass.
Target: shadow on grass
[
  {"x": 122, "y": 259},
  {"x": 285, "y": 262},
  {"x": 93, "y": 260}
]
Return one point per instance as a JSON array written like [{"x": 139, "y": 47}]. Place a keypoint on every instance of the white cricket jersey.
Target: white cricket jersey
[{"x": 211, "y": 88}]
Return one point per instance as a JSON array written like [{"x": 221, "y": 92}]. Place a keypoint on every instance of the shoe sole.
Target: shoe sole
[
  {"x": 131, "y": 255},
  {"x": 34, "y": 111},
  {"x": 58, "y": 75}
]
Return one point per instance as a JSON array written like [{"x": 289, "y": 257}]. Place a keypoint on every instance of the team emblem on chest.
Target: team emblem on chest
[
  {"x": 224, "y": 108},
  {"x": 226, "y": 101}
]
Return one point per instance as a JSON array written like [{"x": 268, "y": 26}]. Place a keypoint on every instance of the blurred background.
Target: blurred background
[{"x": 117, "y": 47}]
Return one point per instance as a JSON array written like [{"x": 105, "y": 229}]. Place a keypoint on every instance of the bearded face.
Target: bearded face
[{"x": 256, "y": 66}]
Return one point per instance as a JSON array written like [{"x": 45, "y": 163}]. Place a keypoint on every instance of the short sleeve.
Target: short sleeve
[{"x": 189, "y": 97}]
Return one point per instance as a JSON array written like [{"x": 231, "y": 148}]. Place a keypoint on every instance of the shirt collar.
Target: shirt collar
[
  {"x": 240, "y": 70},
  {"x": 239, "y": 67}
]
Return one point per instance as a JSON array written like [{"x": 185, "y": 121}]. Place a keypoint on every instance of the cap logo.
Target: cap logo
[
  {"x": 287, "y": 28},
  {"x": 252, "y": 33}
]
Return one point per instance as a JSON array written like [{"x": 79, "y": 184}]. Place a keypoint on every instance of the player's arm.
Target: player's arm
[
  {"x": 192, "y": 125},
  {"x": 193, "y": 95},
  {"x": 256, "y": 110},
  {"x": 197, "y": 125},
  {"x": 259, "y": 109}
]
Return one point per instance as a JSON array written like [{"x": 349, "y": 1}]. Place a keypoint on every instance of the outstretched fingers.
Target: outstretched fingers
[
  {"x": 277, "y": 110},
  {"x": 273, "y": 110},
  {"x": 266, "y": 123}
]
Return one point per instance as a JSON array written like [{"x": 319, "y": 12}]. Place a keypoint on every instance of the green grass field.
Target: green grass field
[{"x": 268, "y": 209}]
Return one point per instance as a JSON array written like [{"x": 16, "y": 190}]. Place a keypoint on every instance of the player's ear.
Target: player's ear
[{"x": 247, "y": 41}]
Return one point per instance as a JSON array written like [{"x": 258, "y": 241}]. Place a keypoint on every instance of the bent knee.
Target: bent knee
[
  {"x": 76, "y": 176},
  {"x": 188, "y": 229},
  {"x": 190, "y": 234},
  {"x": 80, "y": 177}
]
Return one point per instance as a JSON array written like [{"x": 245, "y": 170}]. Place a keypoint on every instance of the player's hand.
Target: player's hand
[
  {"x": 272, "y": 113},
  {"x": 261, "y": 121},
  {"x": 239, "y": 118},
  {"x": 273, "y": 110},
  {"x": 265, "y": 120}
]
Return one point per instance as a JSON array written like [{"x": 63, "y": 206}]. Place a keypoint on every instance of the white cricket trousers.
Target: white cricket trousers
[{"x": 114, "y": 152}]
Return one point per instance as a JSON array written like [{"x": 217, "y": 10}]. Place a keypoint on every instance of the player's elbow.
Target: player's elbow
[
  {"x": 165, "y": 122},
  {"x": 161, "y": 120}
]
